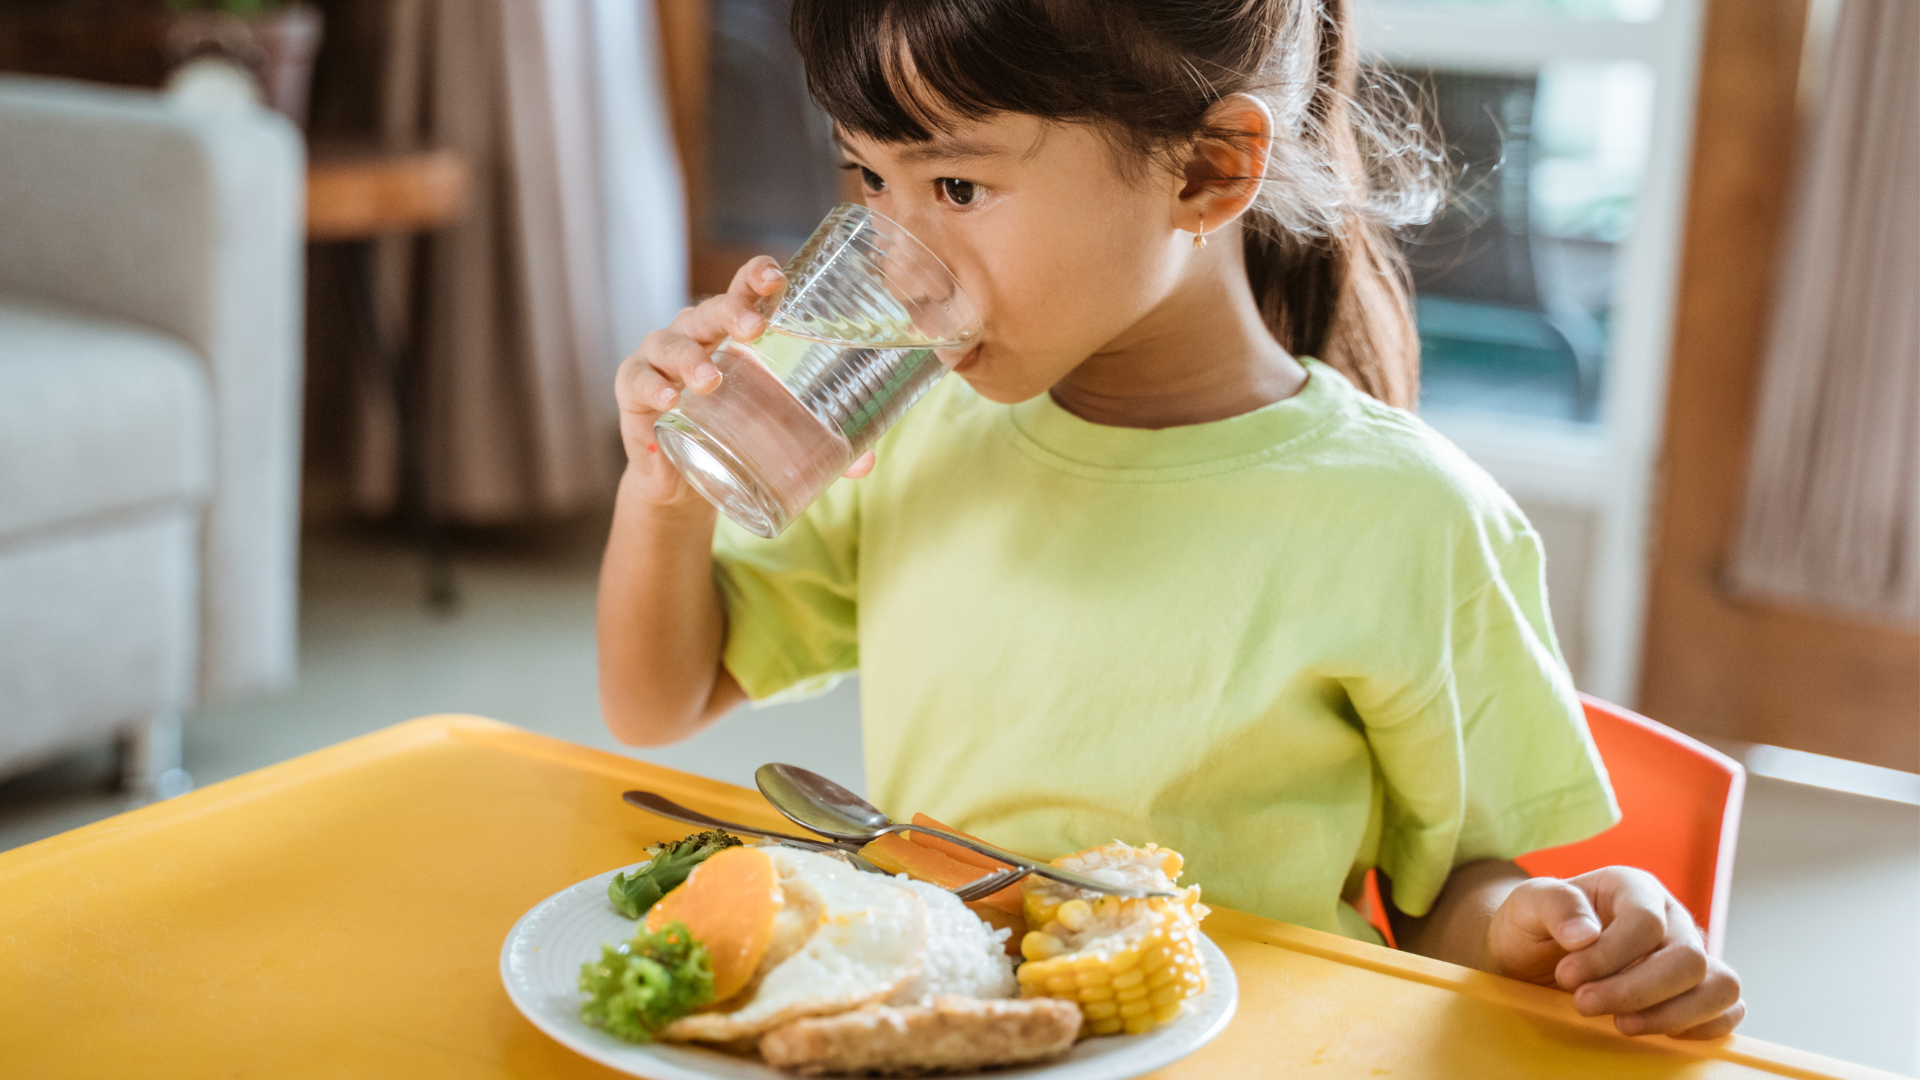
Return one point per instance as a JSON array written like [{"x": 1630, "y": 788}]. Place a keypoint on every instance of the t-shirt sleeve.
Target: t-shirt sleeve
[
  {"x": 792, "y": 602},
  {"x": 1494, "y": 760}
]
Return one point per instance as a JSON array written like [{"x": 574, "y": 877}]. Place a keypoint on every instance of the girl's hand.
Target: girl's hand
[
  {"x": 1622, "y": 945},
  {"x": 678, "y": 360}
]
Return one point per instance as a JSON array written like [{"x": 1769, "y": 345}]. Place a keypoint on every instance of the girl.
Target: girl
[{"x": 1145, "y": 570}]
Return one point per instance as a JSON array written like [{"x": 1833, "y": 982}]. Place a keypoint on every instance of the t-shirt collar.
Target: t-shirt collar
[{"x": 1043, "y": 425}]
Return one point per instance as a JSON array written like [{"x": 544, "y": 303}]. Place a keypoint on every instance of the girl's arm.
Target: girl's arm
[
  {"x": 1615, "y": 938},
  {"x": 661, "y": 625}
]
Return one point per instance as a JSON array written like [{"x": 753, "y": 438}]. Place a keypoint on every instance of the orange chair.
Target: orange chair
[{"x": 1679, "y": 818}]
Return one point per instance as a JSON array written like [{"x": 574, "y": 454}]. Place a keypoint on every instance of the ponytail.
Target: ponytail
[{"x": 1340, "y": 292}]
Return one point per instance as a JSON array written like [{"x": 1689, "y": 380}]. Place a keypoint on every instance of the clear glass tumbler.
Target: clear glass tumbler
[{"x": 868, "y": 321}]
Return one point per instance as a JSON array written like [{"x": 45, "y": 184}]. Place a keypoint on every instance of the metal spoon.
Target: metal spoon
[
  {"x": 667, "y": 808},
  {"x": 814, "y": 802}
]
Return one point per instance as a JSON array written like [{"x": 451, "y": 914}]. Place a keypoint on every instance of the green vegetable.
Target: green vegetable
[
  {"x": 641, "y": 986},
  {"x": 672, "y": 862}
]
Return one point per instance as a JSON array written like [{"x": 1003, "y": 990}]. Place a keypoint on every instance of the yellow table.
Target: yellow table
[{"x": 341, "y": 915}]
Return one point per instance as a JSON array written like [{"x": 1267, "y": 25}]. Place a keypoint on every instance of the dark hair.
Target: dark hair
[{"x": 1329, "y": 280}]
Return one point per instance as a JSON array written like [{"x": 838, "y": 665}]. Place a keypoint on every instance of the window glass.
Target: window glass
[{"x": 1514, "y": 281}]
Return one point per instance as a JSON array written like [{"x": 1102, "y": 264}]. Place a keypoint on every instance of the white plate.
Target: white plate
[{"x": 540, "y": 963}]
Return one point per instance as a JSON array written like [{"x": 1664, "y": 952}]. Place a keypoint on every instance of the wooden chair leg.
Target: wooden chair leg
[{"x": 150, "y": 759}]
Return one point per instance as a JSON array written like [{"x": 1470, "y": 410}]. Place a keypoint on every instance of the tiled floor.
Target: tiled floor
[{"x": 1823, "y": 923}]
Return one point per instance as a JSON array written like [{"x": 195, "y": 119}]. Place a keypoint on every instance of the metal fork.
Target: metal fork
[
  {"x": 990, "y": 884},
  {"x": 973, "y": 890}
]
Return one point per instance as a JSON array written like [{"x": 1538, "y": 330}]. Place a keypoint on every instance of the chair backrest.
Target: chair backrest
[
  {"x": 1679, "y": 819},
  {"x": 1679, "y": 814}
]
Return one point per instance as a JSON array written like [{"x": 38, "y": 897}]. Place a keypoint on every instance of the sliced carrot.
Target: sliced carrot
[
  {"x": 728, "y": 903},
  {"x": 896, "y": 855},
  {"x": 951, "y": 849},
  {"x": 1008, "y": 897}
]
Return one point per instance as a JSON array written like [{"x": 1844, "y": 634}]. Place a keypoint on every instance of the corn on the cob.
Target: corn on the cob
[{"x": 1128, "y": 963}]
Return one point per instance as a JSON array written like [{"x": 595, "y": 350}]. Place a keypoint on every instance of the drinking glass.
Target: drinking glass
[{"x": 867, "y": 322}]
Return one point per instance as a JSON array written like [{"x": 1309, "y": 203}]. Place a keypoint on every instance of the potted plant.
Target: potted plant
[{"x": 274, "y": 39}]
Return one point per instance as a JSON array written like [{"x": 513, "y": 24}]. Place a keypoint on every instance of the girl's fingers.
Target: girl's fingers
[
  {"x": 861, "y": 465},
  {"x": 1558, "y": 910},
  {"x": 666, "y": 363},
  {"x": 759, "y": 277},
  {"x": 1719, "y": 1025},
  {"x": 717, "y": 318},
  {"x": 645, "y": 390},
  {"x": 1536, "y": 925},
  {"x": 733, "y": 313},
  {"x": 1713, "y": 1000},
  {"x": 1633, "y": 906},
  {"x": 1666, "y": 975},
  {"x": 688, "y": 364}
]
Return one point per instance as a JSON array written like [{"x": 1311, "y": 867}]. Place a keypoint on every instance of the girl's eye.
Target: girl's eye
[
  {"x": 868, "y": 178},
  {"x": 958, "y": 192}
]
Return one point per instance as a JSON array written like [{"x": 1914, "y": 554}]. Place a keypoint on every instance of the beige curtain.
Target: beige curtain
[
  {"x": 1832, "y": 516},
  {"x": 574, "y": 245}
]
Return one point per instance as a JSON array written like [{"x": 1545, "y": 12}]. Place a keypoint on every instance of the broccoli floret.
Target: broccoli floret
[{"x": 670, "y": 864}]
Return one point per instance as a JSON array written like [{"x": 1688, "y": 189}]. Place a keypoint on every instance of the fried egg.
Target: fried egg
[{"x": 842, "y": 939}]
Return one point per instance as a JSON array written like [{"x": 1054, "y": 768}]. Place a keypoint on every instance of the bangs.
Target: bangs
[{"x": 900, "y": 70}]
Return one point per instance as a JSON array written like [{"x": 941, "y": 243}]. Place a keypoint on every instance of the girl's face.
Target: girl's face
[{"x": 1063, "y": 252}]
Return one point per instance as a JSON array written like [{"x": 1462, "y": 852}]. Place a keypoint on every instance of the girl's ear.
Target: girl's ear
[{"x": 1225, "y": 165}]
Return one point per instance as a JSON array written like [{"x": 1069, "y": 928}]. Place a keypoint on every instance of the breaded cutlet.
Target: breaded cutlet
[{"x": 949, "y": 1034}]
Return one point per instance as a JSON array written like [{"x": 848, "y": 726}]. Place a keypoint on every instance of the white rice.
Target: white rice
[{"x": 964, "y": 955}]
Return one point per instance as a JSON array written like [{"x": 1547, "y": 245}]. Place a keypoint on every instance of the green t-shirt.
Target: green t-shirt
[{"x": 1292, "y": 645}]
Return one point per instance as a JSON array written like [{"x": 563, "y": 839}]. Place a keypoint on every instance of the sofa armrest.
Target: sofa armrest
[{"x": 122, "y": 203}]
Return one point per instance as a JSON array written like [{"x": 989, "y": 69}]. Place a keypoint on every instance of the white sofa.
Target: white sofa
[{"x": 150, "y": 371}]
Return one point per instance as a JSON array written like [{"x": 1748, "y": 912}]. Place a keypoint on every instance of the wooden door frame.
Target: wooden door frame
[{"x": 1714, "y": 663}]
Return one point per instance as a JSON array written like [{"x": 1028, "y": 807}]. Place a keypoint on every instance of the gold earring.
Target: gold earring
[{"x": 1200, "y": 238}]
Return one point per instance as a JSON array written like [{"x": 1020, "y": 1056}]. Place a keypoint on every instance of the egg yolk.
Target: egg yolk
[{"x": 728, "y": 903}]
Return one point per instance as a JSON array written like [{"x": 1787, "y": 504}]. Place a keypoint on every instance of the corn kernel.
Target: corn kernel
[
  {"x": 1166, "y": 975},
  {"x": 1099, "y": 1010},
  {"x": 1109, "y": 1026},
  {"x": 1038, "y": 946},
  {"x": 1139, "y": 1025},
  {"x": 1074, "y": 915},
  {"x": 1095, "y": 993},
  {"x": 1167, "y": 995},
  {"x": 1131, "y": 993},
  {"x": 1136, "y": 1008}
]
